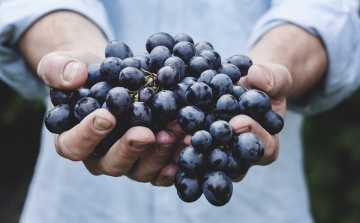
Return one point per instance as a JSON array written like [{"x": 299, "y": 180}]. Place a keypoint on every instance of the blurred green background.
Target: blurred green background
[{"x": 332, "y": 157}]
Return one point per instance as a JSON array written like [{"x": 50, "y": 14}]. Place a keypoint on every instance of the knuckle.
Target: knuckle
[{"x": 72, "y": 153}]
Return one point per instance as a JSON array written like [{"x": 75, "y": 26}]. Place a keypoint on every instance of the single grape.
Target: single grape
[
  {"x": 254, "y": 103},
  {"x": 199, "y": 64},
  {"x": 231, "y": 70},
  {"x": 144, "y": 61},
  {"x": 166, "y": 105},
  {"x": 217, "y": 159},
  {"x": 118, "y": 49},
  {"x": 202, "y": 45},
  {"x": 84, "y": 107},
  {"x": 94, "y": 75},
  {"x": 272, "y": 122},
  {"x": 178, "y": 64},
  {"x": 213, "y": 56},
  {"x": 58, "y": 97},
  {"x": 199, "y": 95},
  {"x": 110, "y": 69},
  {"x": 183, "y": 37},
  {"x": 238, "y": 90},
  {"x": 146, "y": 95},
  {"x": 139, "y": 114},
  {"x": 207, "y": 76},
  {"x": 201, "y": 141},
  {"x": 118, "y": 101},
  {"x": 191, "y": 119},
  {"x": 221, "y": 132},
  {"x": 99, "y": 91},
  {"x": 60, "y": 119},
  {"x": 180, "y": 90},
  {"x": 184, "y": 50},
  {"x": 249, "y": 147},
  {"x": 210, "y": 118},
  {"x": 130, "y": 62},
  {"x": 160, "y": 39},
  {"x": 235, "y": 167},
  {"x": 217, "y": 188},
  {"x": 189, "y": 188},
  {"x": 242, "y": 62},
  {"x": 221, "y": 84},
  {"x": 188, "y": 80},
  {"x": 131, "y": 78},
  {"x": 227, "y": 107},
  {"x": 192, "y": 162},
  {"x": 168, "y": 77},
  {"x": 158, "y": 56}
]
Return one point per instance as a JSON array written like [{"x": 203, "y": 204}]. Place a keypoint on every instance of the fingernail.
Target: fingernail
[
  {"x": 164, "y": 148},
  {"x": 101, "y": 124},
  {"x": 266, "y": 74},
  {"x": 140, "y": 145},
  {"x": 242, "y": 130},
  {"x": 70, "y": 70},
  {"x": 169, "y": 179}
]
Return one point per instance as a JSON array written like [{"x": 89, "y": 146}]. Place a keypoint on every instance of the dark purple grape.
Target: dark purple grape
[
  {"x": 158, "y": 56},
  {"x": 217, "y": 188},
  {"x": 183, "y": 37},
  {"x": 199, "y": 64},
  {"x": 82, "y": 92},
  {"x": 192, "y": 162},
  {"x": 146, "y": 95},
  {"x": 207, "y": 76},
  {"x": 201, "y": 141},
  {"x": 210, "y": 118},
  {"x": 118, "y": 101},
  {"x": 110, "y": 69},
  {"x": 188, "y": 80},
  {"x": 58, "y": 97},
  {"x": 166, "y": 105},
  {"x": 238, "y": 90},
  {"x": 178, "y": 64},
  {"x": 227, "y": 107},
  {"x": 235, "y": 167},
  {"x": 130, "y": 62},
  {"x": 180, "y": 90},
  {"x": 221, "y": 132},
  {"x": 139, "y": 114},
  {"x": 99, "y": 91},
  {"x": 217, "y": 159},
  {"x": 60, "y": 119},
  {"x": 94, "y": 75},
  {"x": 179, "y": 174},
  {"x": 221, "y": 84},
  {"x": 249, "y": 147},
  {"x": 191, "y": 119},
  {"x": 213, "y": 56},
  {"x": 231, "y": 70},
  {"x": 118, "y": 49},
  {"x": 184, "y": 50},
  {"x": 272, "y": 122},
  {"x": 203, "y": 45},
  {"x": 254, "y": 103},
  {"x": 199, "y": 95},
  {"x": 131, "y": 78},
  {"x": 242, "y": 62},
  {"x": 168, "y": 77},
  {"x": 84, "y": 107},
  {"x": 144, "y": 61},
  {"x": 189, "y": 188},
  {"x": 160, "y": 39}
]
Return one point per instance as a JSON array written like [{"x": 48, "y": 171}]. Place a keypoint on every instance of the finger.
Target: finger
[
  {"x": 274, "y": 79},
  {"x": 79, "y": 142},
  {"x": 154, "y": 158},
  {"x": 243, "y": 123},
  {"x": 123, "y": 154},
  {"x": 166, "y": 175},
  {"x": 65, "y": 70}
]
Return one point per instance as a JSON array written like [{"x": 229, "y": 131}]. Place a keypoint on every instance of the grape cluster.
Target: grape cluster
[{"x": 175, "y": 80}]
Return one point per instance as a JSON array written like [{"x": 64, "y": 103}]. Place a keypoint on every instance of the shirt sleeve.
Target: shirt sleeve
[
  {"x": 16, "y": 17},
  {"x": 337, "y": 24}
]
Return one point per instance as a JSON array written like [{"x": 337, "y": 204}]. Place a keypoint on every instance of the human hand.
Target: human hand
[{"x": 139, "y": 154}]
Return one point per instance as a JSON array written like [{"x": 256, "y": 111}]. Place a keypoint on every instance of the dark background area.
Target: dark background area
[{"x": 332, "y": 157}]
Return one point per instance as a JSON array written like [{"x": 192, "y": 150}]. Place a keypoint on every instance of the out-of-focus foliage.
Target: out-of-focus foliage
[{"x": 332, "y": 162}]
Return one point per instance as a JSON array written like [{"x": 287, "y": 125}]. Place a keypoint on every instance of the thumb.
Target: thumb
[
  {"x": 274, "y": 79},
  {"x": 65, "y": 70}
]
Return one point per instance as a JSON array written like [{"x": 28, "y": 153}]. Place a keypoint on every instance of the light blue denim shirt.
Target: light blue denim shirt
[{"x": 64, "y": 191}]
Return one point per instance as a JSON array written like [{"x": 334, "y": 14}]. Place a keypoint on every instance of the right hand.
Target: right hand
[{"x": 139, "y": 154}]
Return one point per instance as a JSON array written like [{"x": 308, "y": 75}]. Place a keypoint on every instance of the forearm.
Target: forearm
[
  {"x": 302, "y": 53},
  {"x": 61, "y": 31}
]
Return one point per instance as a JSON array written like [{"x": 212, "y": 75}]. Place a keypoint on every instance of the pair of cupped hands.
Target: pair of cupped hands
[{"x": 139, "y": 154}]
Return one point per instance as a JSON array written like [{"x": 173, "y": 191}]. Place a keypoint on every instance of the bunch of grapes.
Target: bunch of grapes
[{"x": 175, "y": 80}]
